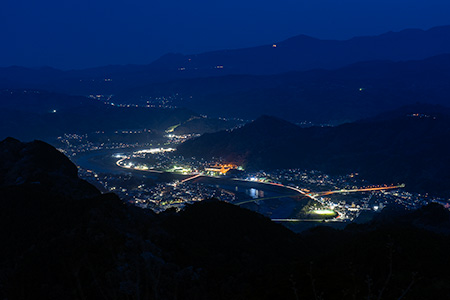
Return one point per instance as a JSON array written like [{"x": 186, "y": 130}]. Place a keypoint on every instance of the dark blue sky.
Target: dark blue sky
[{"x": 84, "y": 33}]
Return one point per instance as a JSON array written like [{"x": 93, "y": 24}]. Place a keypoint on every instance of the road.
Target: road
[{"x": 360, "y": 190}]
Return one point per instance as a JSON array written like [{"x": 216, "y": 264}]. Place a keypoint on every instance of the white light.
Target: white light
[{"x": 155, "y": 150}]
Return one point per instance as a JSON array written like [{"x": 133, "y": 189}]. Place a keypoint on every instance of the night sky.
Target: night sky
[{"x": 78, "y": 34}]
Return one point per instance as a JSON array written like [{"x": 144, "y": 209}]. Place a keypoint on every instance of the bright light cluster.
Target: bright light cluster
[
  {"x": 155, "y": 150},
  {"x": 324, "y": 212}
]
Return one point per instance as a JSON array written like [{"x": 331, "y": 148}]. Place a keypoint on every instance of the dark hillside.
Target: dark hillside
[
  {"x": 30, "y": 114},
  {"x": 350, "y": 93},
  {"x": 56, "y": 246},
  {"x": 411, "y": 149}
]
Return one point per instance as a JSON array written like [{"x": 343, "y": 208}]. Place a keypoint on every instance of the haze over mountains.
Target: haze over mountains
[
  {"x": 375, "y": 81},
  {"x": 294, "y": 54},
  {"x": 320, "y": 96},
  {"x": 32, "y": 114},
  {"x": 304, "y": 53}
]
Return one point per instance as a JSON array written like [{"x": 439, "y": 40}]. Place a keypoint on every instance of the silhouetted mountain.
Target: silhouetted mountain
[
  {"x": 63, "y": 240},
  {"x": 354, "y": 92},
  {"x": 58, "y": 247},
  {"x": 37, "y": 163},
  {"x": 294, "y": 54},
  {"x": 412, "y": 149},
  {"x": 202, "y": 125},
  {"x": 258, "y": 140},
  {"x": 38, "y": 101},
  {"x": 411, "y": 110},
  {"x": 433, "y": 217},
  {"x": 304, "y": 52},
  {"x": 30, "y": 114}
]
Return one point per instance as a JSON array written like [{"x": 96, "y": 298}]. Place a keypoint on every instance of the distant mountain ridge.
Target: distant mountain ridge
[
  {"x": 32, "y": 114},
  {"x": 294, "y": 54},
  {"x": 303, "y": 52},
  {"x": 357, "y": 91}
]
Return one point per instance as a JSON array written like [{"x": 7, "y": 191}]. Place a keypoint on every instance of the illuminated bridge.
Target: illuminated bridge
[
  {"x": 369, "y": 189},
  {"x": 315, "y": 195}
]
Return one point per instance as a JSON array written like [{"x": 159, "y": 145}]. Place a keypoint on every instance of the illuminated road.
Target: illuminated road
[
  {"x": 119, "y": 161},
  {"x": 130, "y": 168},
  {"x": 190, "y": 178},
  {"x": 359, "y": 190}
]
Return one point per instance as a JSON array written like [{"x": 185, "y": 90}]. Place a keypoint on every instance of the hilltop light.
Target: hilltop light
[{"x": 54, "y": 111}]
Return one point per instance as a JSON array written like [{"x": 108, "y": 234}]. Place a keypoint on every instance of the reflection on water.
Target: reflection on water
[
  {"x": 251, "y": 192},
  {"x": 254, "y": 193}
]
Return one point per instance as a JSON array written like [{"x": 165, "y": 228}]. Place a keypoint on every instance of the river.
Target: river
[{"x": 273, "y": 201}]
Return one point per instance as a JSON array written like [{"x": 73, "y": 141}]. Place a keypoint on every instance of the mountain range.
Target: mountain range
[
  {"x": 350, "y": 93},
  {"x": 302, "y": 79},
  {"x": 304, "y": 53},
  {"x": 336, "y": 96},
  {"x": 33, "y": 114},
  {"x": 298, "y": 53}
]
